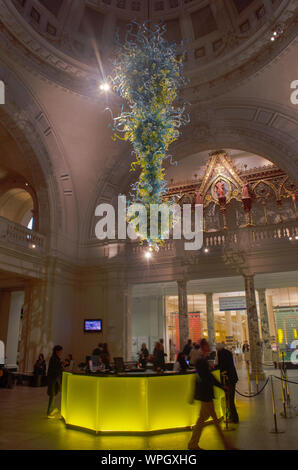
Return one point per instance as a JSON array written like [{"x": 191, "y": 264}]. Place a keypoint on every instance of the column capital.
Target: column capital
[
  {"x": 248, "y": 275},
  {"x": 261, "y": 290}
]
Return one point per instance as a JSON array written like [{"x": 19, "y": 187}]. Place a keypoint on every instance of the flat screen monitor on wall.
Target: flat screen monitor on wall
[{"x": 92, "y": 326}]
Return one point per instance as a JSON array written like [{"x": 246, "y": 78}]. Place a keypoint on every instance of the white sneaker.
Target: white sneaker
[{"x": 53, "y": 413}]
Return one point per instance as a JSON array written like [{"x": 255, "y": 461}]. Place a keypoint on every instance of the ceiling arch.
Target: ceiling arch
[
  {"x": 15, "y": 204},
  {"x": 27, "y": 123},
  {"x": 260, "y": 128}
]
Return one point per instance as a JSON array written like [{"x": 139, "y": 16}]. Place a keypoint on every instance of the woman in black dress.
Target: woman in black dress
[{"x": 54, "y": 379}]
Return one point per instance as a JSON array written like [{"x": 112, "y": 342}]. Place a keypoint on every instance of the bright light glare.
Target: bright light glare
[
  {"x": 148, "y": 254},
  {"x": 104, "y": 86}
]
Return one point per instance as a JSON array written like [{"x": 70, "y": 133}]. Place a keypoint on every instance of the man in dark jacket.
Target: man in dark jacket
[
  {"x": 54, "y": 379},
  {"x": 187, "y": 348},
  {"x": 204, "y": 392},
  {"x": 229, "y": 377}
]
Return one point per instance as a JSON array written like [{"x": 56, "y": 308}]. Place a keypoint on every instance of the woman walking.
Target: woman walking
[{"x": 204, "y": 393}]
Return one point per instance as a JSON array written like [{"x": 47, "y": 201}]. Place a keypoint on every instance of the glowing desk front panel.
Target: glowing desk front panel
[{"x": 131, "y": 404}]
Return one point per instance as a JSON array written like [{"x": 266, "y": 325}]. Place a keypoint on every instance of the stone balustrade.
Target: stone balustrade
[
  {"x": 247, "y": 238},
  {"x": 19, "y": 235},
  {"x": 244, "y": 238}
]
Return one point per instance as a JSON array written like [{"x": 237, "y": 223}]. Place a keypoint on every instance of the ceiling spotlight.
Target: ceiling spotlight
[
  {"x": 206, "y": 250},
  {"x": 105, "y": 86},
  {"x": 272, "y": 38},
  {"x": 148, "y": 255},
  {"x": 275, "y": 33}
]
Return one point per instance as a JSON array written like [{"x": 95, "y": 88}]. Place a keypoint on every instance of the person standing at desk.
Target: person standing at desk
[
  {"x": 54, "y": 379},
  {"x": 226, "y": 366}
]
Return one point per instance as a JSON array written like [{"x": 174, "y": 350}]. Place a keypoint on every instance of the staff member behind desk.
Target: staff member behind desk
[
  {"x": 226, "y": 365},
  {"x": 158, "y": 358},
  {"x": 54, "y": 379},
  {"x": 68, "y": 364},
  {"x": 105, "y": 356},
  {"x": 95, "y": 364},
  {"x": 181, "y": 364},
  {"x": 143, "y": 356},
  {"x": 187, "y": 348},
  {"x": 204, "y": 392},
  {"x": 194, "y": 355}
]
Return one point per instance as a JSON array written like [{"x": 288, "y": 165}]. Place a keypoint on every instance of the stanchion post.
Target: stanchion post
[
  {"x": 227, "y": 395},
  {"x": 291, "y": 409},
  {"x": 287, "y": 386},
  {"x": 227, "y": 404},
  {"x": 275, "y": 430},
  {"x": 248, "y": 377},
  {"x": 283, "y": 394}
]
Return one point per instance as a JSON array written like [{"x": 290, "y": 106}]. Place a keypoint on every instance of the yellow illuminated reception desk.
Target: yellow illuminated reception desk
[{"x": 132, "y": 403}]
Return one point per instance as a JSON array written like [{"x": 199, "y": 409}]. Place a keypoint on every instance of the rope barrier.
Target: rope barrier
[
  {"x": 285, "y": 380},
  {"x": 255, "y": 394}
]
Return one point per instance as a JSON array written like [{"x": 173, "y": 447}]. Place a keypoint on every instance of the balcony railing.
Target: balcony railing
[
  {"x": 253, "y": 236},
  {"x": 17, "y": 234},
  {"x": 243, "y": 238}
]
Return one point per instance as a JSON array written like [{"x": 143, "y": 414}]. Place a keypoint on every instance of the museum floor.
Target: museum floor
[{"x": 24, "y": 425}]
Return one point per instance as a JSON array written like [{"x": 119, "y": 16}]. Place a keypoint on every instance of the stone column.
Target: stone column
[
  {"x": 246, "y": 329},
  {"x": 271, "y": 317},
  {"x": 264, "y": 325},
  {"x": 210, "y": 318},
  {"x": 253, "y": 329},
  {"x": 118, "y": 314},
  {"x": 127, "y": 323},
  {"x": 183, "y": 314},
  {"x": 36, "y": 324},
  {"x": 239, "y": 326},
  {"x": 229, "y": 325}
]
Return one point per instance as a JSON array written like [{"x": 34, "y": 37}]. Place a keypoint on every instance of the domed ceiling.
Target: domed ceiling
[{"x": 225, "y": 40}]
